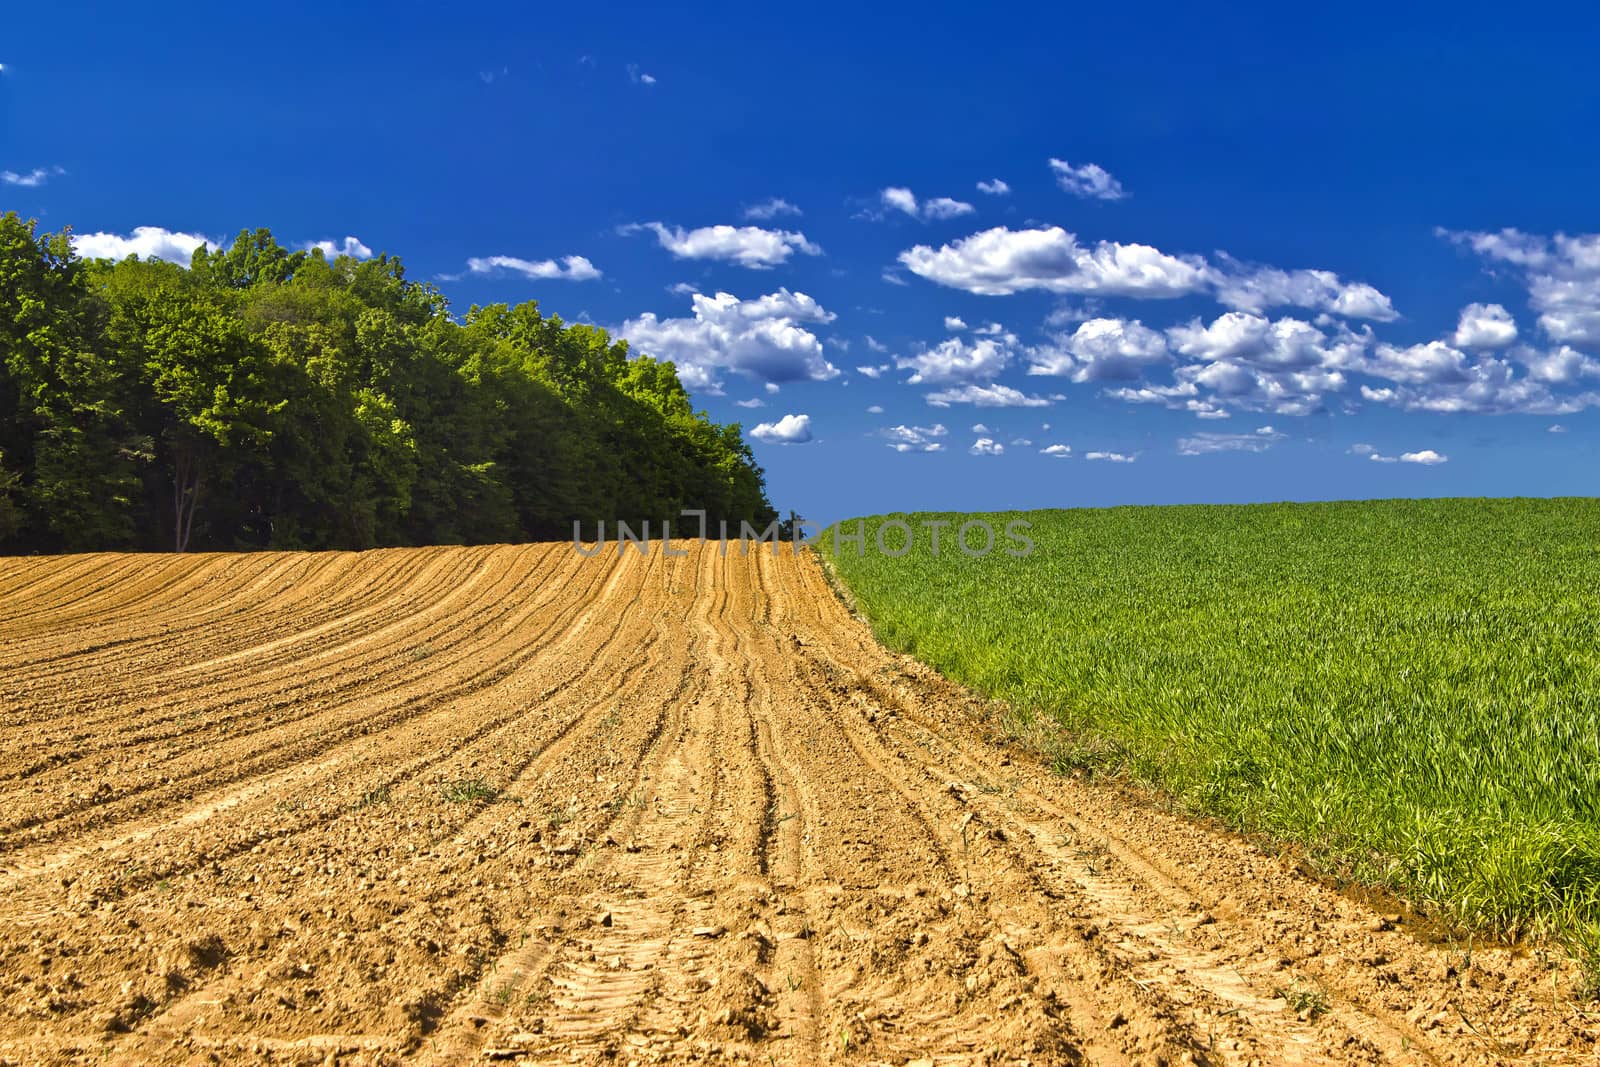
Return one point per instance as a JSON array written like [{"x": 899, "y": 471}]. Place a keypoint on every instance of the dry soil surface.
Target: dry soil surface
[{"x": 464, "y": 805}]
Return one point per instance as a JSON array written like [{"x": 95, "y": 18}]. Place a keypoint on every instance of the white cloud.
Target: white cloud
[
  {"x": 1439, "y": 378},
  {"x": 955, "y": 360},
  {"x": 1485, "y": 326},
  {"x": 682, "y": 289},
  {"x": 1426, "y": 457},
  {"x": 1021, "y": 442},
  {"x": 1281, "y": 344},
  {"x": 896, "y": 198},
  {"x": 789, "y": 430},
  {"x": 146, "y": 242},
  {"x": 639, "y": 77},
  {"x": 33, "y": 178},
  {"x": 915, "y": 438},
  {"x": 876, "y": 345},
  {"x": 350, "y": 246},
  {"x": 771, "y": 209},
  {"x": 765, "y": 338},
  {"x": 1090, "y": 181},
  {"x": 899, "y": 199},
  {"x": 942, "y": 207},
  {"x": 892, "y": 277},
  {"x": 872, "y": 371},
  {"x": 571, "y": 268},
  {"x": 1101, "y": 350},
  {"x": 1070, "y": 314},
  {"x": 1202, "y": 444},
  {"x": 1256, "y": 289},
  {"x": 1058, "y": 451},
  {"x": 1248, "y": 362},
  {"x": 986, "y": 396},
  {"x": 1110, "y": 457},
  {"x": 1560, "y": 366},
  {"x": 875, "y": 409},
  {"x": 753, "y": 402},
  {"x": 953, "y": 323},
  {"x": 994, "y": 187},
  {"x": 1001, "y": 261},
  {"x": 1562, "y": 275},
  {"x": 985, "y": 446},
  {"x": 980, "y": 428},
  {"x": 748, "y": 246}
]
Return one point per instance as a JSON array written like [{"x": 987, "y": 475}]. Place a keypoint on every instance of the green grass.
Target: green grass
[
  {"x": 1410, "y": 690},
  {"x": 468, "y": 791}
]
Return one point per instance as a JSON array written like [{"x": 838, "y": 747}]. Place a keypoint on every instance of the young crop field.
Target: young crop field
[{"x": 1407, "y": 690}]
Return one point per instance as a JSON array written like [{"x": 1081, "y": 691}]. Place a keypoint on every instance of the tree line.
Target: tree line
[{"x": 268, "y": 398}]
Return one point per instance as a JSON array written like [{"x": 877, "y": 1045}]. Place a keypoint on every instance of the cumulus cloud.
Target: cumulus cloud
[
  {"x": 1245, "y": 362},
  {"x": 956, "y": 360},
  {"x": 905, "y": 201},
  {"x": 953, "y": 323},
  {"x": 1058, "y": 451},
  {"x": 1562, "y": 275},
  {"x": 1438, "y": 377},
  {"x": 748, "y": 246},
  {"x": 146, "y": 242},
  {"x": 773, "y": 208},
  {"x": 571, "y": 268},
  {"x": 1101, "y": 350},
  {"x": 1001, "y": 261},
  {"x": 1427, "y": 457},
  {"x": 639, "y": 77},
  {"x": 1089, "y": 181},
  {"x": 985, "y": 446},
  {"x": 986, "y": 396},
  {"x": 872, "y": 371},
  {"x": 765, "y": 338},
  {"x": 1484, "y": 326},
  {"x": 1258, "y": 288},
  {"x": 352, "y": 247},
  {"x": 753, "y": 402},
  {"x": 1281, "y": 344},
  {"x": 31, "y": 179},
  {"x": 1110, "y": 457},
  {"x": 789, "y": 430},
  {"x": 994, "y": 187},
  {"x": 875, "y": 409},
  {"x": 1202, "y": 444},
  {"x": 1562, "y": 365},
  {"x": 915, "y": 438},
  {"x": 1557, "y": 428}
]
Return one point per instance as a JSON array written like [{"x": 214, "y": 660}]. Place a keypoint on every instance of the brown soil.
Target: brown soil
[{"x": 464, "y": 805}]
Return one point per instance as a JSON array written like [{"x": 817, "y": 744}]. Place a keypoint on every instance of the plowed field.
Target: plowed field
[{"x": 465, "y": 805}]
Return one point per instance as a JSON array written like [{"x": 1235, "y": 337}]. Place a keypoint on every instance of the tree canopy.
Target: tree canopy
[{"x": 263, "y": 398}]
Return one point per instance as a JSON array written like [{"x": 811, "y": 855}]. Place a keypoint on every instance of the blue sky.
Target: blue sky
[{"x": 1238, "y": 253}]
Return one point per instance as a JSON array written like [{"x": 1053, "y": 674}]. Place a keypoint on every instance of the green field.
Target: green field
[{"x": 1410, "y": 690}]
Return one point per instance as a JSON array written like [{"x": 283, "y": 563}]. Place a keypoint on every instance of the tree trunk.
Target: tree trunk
[{"x": 185, "y": 496}]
